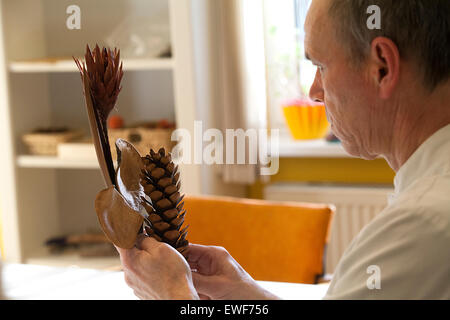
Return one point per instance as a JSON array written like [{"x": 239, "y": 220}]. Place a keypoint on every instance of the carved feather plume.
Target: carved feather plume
[
  {"x": 101, "y": 74},
  {"x": 118, "y": 207}
]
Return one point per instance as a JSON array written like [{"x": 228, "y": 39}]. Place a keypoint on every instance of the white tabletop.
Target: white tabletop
[{"x": 26, "y": 282}]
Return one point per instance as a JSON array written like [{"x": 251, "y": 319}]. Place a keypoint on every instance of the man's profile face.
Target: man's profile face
[{"x": 343, "y": 89}]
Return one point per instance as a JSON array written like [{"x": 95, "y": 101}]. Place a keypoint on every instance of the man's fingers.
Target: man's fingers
[
  {"x": 127, "y": 256},
  {"x": 125, "y": 252},
  {"x": 138, "y": 295},
  {"x": 200, "y": 257},
  {"x": 193, "y": 265},
  {"x": 146, "y": 243},
  {"x": 203, "y": 297},
  {"x": 204, "y": 284},
  {"x": 196, "y": 252}
]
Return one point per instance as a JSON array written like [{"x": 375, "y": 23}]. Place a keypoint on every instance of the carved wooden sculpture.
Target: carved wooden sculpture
[{"x": 144, "y": 191}]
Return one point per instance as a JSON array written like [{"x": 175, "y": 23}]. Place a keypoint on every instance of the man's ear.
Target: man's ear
[{"x": 385, "y": 65}]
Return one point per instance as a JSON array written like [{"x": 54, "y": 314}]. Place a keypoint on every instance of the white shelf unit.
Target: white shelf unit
[
  {"x": 74, "y": 260},
  {"x": 51, "y": 162},
  {"x": 42, "y": 197},
  {"x": 67, "y": 65}
]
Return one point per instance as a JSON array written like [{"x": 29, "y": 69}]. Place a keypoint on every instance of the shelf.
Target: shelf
[
  {"x": 290, "y": 148},
  {"x": 39, "y": 79},
  {"x": 68, "y": 65},
  {"x": 30, "y": 161},
  {"x": 74, "y": 260}
]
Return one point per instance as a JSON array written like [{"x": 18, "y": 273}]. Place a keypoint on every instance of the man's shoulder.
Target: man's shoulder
[
  {"x": 419, "y": 218},
  {"x": 425, "y": 205},
  {"x": 408, "y": 243}
]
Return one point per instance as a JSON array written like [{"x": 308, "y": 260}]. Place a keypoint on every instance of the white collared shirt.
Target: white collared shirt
[{"x": 404, "y": 253}]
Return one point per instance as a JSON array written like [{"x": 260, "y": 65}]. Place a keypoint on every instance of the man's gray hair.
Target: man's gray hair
[{"x": 419, "y": 28}]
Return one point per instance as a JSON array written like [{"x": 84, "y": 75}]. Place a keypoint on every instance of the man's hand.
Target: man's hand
[
  {"x": 217, "y": 275},
  {"x": 156, "y": 271}
]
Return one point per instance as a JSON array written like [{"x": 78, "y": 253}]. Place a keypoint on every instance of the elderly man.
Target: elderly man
[{"x": 387, "y": 93}]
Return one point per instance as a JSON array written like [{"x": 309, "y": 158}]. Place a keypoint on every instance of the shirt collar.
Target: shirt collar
[{"x": 430, "y": 159}]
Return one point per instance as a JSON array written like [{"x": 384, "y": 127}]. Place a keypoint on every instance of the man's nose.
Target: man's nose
[{"x": 316, "y": 92}]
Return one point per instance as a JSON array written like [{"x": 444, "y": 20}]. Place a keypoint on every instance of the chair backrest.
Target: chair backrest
[{"x": 272, "y": 241}]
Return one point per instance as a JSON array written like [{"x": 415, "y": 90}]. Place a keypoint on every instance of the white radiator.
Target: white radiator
[{"x": 355, "y": 207}]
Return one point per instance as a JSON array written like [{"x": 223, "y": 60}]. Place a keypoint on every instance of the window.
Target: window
[{"x": 289, "y": 73}]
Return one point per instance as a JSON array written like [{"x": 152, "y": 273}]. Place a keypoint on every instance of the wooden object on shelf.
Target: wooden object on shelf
[
  {"x": 143, "y": 139},
  {"x": 43, "y": 143},
  {"x": 84, "y": 245},
  {"x": 77, "y": 239},
  {"x": 98, "y": 250}
]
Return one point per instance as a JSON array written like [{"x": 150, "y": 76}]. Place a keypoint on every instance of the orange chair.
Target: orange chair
[{"x": 272, "y": 241}]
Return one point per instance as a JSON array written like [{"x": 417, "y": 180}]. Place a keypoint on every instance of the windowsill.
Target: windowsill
[{"x": 290, "y": 148}]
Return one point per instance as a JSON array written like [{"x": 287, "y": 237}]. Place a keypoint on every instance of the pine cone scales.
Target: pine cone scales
[{"x": 166, "y": 215}]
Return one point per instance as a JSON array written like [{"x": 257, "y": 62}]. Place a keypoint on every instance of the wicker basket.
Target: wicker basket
[
  {"x": 143, "y": 139},
  {"x": 47, "y": 143}
]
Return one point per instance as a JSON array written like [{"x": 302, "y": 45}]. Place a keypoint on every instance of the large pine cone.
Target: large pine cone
[{"x": 166, "y": 215}]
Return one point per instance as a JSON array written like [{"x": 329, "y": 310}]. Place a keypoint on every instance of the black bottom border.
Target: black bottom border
[{"x": 284, "y": 309}]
